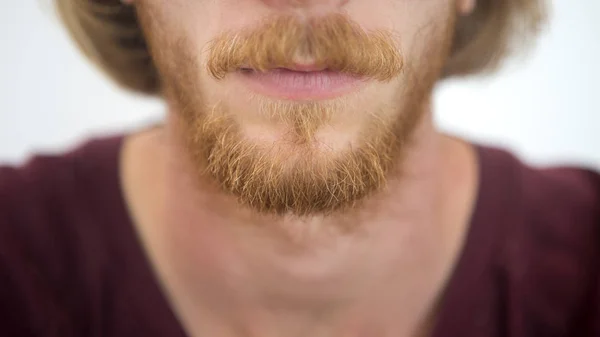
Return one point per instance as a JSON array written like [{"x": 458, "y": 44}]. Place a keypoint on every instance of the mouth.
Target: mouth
[
  {"x": 300, "y": 82},
  {"x": 297, "y": 67}
]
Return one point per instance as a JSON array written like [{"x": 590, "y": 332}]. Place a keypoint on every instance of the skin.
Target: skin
[{"x": 228, "y": 271}]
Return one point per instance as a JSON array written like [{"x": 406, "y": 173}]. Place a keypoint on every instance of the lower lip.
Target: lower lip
[{"x": 301, "y": 85}]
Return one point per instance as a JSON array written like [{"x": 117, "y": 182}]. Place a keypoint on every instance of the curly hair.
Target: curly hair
[{"x": 108, "y": 33}]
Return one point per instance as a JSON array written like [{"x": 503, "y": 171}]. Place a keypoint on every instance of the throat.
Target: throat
[{"x": 291, "y": 277}]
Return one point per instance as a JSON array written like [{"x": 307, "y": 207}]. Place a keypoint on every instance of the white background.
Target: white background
[{"x": 545, "y": 108}]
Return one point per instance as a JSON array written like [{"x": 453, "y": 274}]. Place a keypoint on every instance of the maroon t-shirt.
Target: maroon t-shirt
[{"x": 71, "y": 264}]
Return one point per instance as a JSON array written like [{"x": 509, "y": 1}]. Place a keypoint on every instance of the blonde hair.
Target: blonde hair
[{"x": 109, "y": 34}]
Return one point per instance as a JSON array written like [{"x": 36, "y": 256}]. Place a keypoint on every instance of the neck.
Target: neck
[{"x": 376, "y": 271}]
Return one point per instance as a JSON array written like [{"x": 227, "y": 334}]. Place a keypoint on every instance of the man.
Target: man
[{"x": 298, "y": 186}]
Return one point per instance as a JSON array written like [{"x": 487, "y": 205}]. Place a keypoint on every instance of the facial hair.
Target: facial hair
[{"x": 295, "y": 175}]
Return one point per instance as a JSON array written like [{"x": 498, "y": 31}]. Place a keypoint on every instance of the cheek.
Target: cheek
[
  {"x": 425, "y": 36},
  {"x": 169, "y": 22},
  {"x": 412, "y": 22}
]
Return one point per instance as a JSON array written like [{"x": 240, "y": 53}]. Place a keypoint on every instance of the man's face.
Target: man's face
[{"x": 297, "y": 106}]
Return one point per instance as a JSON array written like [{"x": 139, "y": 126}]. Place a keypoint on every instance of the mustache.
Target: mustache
[{"x": 333, "y": 42}]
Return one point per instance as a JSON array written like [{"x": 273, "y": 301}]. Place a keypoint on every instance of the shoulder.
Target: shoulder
[
  {"x": 43, "y": 200},
  {"x": 549, "y": 247},
  {"x": 560, "y": 209},
  {"x": 562, "y": 195},
  {"x": 550, "y": 200},
  {"x": 560, "y": 249},
  {"x": 44, "y": 206}
]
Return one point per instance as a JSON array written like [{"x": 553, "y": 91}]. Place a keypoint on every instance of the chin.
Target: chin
[
  {"x": 328, "y": 124},
  {"x": 290, "y": 157}
]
